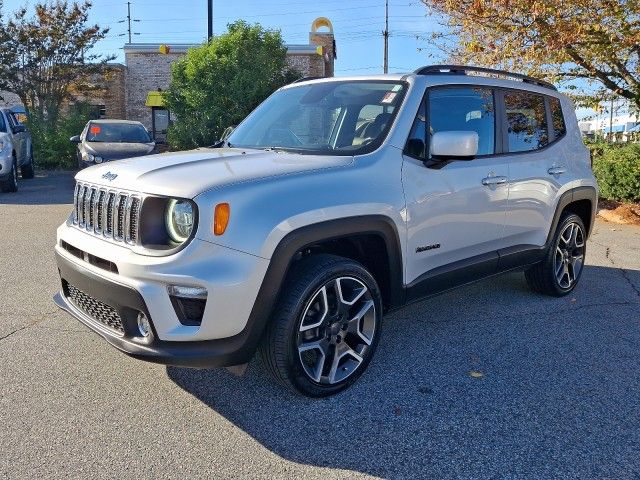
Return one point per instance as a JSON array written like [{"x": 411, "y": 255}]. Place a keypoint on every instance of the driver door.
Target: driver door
[{"x": 456, "y": 210}]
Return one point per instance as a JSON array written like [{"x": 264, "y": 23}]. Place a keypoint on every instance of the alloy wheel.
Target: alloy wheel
[
  {"x": 569, "y": 256},
  {"x": 336, "y": 330}
]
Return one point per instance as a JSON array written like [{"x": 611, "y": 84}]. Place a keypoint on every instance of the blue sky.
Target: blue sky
[{"x": 358, "y": 26}]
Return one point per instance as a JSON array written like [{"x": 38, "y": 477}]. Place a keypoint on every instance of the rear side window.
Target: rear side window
[
  {"x": 559, "y": 127},
  {"x": 3, "y": 125},
  {"x": 526, "y": 121},
  {"x": 464, "y": 109}
]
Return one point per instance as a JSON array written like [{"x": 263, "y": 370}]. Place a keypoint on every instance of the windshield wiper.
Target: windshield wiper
[{"x": 221, "y": 144}]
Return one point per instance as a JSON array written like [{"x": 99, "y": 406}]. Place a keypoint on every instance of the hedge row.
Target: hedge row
[{"x": 617, "y": 169}]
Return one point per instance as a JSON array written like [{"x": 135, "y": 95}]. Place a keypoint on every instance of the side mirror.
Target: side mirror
[
  {"x": 75, "y": 139},
  {"x": 454, "y": 145},
  {"x": 19, "y": 129}
]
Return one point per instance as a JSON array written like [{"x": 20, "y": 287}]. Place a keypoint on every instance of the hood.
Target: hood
[
  {"x": 187, "y": 174},
  {"x": 117, "y": 150}
]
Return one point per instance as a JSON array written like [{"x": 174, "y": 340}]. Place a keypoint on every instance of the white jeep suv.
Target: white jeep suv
[{"x": 334, "y": 202}]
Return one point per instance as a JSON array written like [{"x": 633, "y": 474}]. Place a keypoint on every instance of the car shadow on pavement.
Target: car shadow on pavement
[
  {"x": 488, "y": 380},
  {"x": 46, "y": 188}
]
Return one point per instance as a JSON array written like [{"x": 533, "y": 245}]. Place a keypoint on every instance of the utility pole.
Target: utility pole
[
  {"x": 129, "y": 20},
  {"x": 385, "y": 34},
  {"x": 209, "y": 19}
]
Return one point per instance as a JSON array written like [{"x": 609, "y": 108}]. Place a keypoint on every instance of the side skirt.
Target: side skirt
[{"x": 471, "y": 270}]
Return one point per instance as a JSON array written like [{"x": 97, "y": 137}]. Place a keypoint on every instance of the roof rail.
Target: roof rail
[
  {"x": 464, "y": 69},
  {"x": 305, "y": 79}
]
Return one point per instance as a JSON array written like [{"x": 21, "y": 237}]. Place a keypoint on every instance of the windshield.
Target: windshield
[
  {"x": 117, "y": 133},
  {"x": 342, "y": 118}
]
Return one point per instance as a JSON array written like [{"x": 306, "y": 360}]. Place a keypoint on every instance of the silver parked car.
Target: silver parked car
[
  {"x": 106, "y": 140},
  {"x": 334, "y": 202},
  {"x": 16, "y": 151}
]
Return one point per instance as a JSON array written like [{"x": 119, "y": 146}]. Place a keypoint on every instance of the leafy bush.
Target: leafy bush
[
  {"x": 219, "y": 83},
  {"x": 617, "y": 169},
  {"x": 51, "y": 146}
]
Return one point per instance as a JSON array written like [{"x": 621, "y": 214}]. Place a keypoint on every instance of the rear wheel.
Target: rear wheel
[
  {"x": 326, "y": 327},
  {"x": 26, "y": 171},
  {"x": 559, "y": 273},
  {"x": 10, "y": 184}
]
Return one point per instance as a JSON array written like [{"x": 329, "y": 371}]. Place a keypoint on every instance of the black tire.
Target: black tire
[
  {"x": 26, "y": 171},
  {"x": 284, "y": 338},
  {"x": 543, "y": 277},
  {"x": 10, "y": 184}
]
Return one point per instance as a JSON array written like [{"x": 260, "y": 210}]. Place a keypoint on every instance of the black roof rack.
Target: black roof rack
[
  {"x": 305, "y": 79},
  {"x": 463, "y": 69}
]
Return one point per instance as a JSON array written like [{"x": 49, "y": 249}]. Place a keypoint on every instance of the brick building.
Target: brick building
[
  {"x": 132, "y": 90},
  {"x": 148, "y": 71}
]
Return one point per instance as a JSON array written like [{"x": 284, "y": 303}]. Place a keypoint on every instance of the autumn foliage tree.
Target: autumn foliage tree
[
  {"x": 558, "y": 39},
  {"x": 46, "y": 55}
]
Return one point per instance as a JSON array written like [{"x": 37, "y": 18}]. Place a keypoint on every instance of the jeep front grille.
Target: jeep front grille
[{"x": 109, "y": 213}]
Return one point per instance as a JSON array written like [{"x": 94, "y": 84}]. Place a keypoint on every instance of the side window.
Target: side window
[
  {"x": 526, "y": 121},
  {"x": 464, "y": 109},
  {"x": 3, "y": 125},
  {"x": 10, "y": 121},
  {"x": 559, "y": 127},
  {"x": 416, "y": 144}
]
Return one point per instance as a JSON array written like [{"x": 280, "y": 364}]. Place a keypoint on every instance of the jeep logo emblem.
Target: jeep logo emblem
[{"x": 109, "y": 176}]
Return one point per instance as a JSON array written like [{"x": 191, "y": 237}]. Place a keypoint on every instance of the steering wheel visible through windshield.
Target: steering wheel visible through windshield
[{"x": 336, "y": 117}]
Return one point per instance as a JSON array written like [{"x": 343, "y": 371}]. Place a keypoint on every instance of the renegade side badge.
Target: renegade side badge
[{"x": 427, "y": 247}]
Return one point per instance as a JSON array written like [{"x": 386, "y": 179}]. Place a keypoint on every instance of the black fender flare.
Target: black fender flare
[
  {"x": 568, "y": 197},
  {"x": 283, "y": 257}
]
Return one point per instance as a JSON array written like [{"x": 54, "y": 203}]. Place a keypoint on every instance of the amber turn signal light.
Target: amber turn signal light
[{"x": 221, "y": 218}]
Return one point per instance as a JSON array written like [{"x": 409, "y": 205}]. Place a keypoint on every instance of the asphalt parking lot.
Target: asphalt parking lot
[{"x": 555, "y": 391}]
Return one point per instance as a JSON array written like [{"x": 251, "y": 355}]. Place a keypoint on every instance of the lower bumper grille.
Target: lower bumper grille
[{"x": 95, "y": 309}]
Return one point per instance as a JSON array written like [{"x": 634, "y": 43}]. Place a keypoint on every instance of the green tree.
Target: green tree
[
  {"x": 217, "y": 84},
  {"x": 593, "y": 39},
  {"x": 45, "y": 57}
]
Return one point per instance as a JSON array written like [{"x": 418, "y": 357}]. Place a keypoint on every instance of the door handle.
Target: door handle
[
  {"x": 556, "y": 170},
  {"x": 497, "y": 180}
]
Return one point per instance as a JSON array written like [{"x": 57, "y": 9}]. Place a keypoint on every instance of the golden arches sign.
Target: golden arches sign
[{"x": 321, "y": 22}]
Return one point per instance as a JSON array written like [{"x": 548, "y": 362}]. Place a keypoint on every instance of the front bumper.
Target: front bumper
[
  {"x": 5, "y": 164},
  {"x": 128, "y": 302}
]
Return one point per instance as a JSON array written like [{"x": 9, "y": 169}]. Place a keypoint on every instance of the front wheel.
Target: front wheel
[
  {"x": 559, "y": 273},
  {"x": 10, "y": 184},
  {"x": 325, "y": 328},
  {"x": 26, "y": 171}
]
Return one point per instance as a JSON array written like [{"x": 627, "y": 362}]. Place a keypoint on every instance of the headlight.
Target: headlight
[
  {"x": 97, "y": 159},
  {"x": 179, "y": 220}
]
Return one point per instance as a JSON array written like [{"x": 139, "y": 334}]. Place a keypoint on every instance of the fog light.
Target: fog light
[{"x": 143, "y": 325}]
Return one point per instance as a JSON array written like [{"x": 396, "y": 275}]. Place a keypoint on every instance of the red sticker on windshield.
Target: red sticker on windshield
[{"x": 95, "y": 129}]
